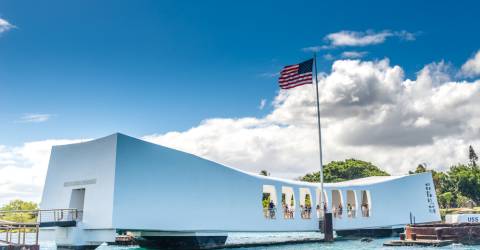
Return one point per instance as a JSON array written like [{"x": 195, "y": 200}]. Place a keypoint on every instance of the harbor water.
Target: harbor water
[{"x": 239, "y": 238}]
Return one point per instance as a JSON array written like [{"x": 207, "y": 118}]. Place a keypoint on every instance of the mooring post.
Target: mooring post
[
  {"x": 8, "y": 232},
  {"x": 328, "y": 227},
  {"x": 36, "y": 236},
  {"x": 24, "y": 232}
]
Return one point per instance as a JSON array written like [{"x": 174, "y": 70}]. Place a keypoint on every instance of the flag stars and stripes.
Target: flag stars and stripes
[{"x": 296, "y": 75}]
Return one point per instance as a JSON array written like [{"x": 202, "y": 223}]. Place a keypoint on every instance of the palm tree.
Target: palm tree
[{"x": 472, "y": 156}]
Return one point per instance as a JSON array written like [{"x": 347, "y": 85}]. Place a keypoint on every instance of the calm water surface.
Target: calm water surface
[
  {"x": 264, "y": 237},
  {"x": 337, "y": 245},
  {"x": 354, "y": 245}
]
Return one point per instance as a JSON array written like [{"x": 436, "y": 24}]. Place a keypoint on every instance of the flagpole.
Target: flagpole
[{"x": 319, "y": 132}]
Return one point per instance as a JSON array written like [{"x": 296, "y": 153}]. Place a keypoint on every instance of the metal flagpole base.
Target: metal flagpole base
[{"x": 326, "y": 227}]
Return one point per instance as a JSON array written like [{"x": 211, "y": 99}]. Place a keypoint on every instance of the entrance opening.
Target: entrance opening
[
  {"x": 337, "y": 204},
  {"x": 77, "y": 201},
  {"x": 366, "y": 203},
  {"x": 288, "y": 202},
  {"x": 269, "y": 202},
  {"x": 305, "y": 203},
  {"x": 351, "y": 204}
]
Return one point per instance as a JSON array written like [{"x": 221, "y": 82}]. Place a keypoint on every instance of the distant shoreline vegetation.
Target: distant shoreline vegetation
[
  {"x": 338, "y": 171},
  {"x": 19, "y": 205},
  {"x": 457, "y": 187}
]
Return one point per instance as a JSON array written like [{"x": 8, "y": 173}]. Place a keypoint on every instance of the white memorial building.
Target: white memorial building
[{"x": 123, "y": 184}]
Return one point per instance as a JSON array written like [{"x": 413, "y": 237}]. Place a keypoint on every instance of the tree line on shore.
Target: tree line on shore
[
  {"x": 460, "y": 185},
  {"x": 19, "y": 205}
]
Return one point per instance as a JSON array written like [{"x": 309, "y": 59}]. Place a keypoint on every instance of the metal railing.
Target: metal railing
[
  {"x": 46, "y": 215},
  {"x": 270, "y": 213},
  {"x": 10, "y": 229},
  {"x": 365, "y": 212},
  {"x": 306, "y": 213},
  {"x": 15, "y": 224},
  {"x": 288, "y": 213},
  {"x": 337, "y": 212},
  {"x": 59, "y": 215},
  {"x": 351, "y": 213}
]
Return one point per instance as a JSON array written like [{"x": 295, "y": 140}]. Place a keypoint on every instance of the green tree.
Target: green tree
[
  {"x": 445, "y": 199},
  {"x": 19, "y": 205},
  {"x": 466, "y": 181},
  {"x": 420, "y": 169},
  {"x": 308, "y": 201},
  {"x": 440, "y": 180},
  {"x": 337, "y": 171},
  {"x": 461, "y": 200},
  {"x": 264, "y": 173},
  {"x": 265, "y": 200}
]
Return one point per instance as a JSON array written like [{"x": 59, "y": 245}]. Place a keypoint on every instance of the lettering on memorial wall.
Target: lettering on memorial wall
[
  {"x": 472, "y": 219},
  {"x": 431, "y": 204}
]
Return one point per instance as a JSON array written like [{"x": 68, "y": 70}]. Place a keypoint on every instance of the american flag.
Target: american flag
[{"x": 296, "y": 75}]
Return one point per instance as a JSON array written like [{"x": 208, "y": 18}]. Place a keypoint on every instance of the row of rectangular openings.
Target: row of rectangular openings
[
  {"x": 337, "y": 206},
  {"x": 350, "y": 206}
]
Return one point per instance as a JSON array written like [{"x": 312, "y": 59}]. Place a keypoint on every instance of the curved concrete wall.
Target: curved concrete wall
[
  {"x": 161, "y": 188},
  {"x": 144, "y": 186}
]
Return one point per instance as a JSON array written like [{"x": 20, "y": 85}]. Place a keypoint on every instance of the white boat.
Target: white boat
[{"x": 161, "y": 195}]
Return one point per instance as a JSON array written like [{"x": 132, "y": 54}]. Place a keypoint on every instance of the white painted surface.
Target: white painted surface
[
  {"x": 391, "y": 202},
  {"x": 462, "y": 218},
  {"x": 75, "y": 166},
  {"x": 136, "y": 185}
]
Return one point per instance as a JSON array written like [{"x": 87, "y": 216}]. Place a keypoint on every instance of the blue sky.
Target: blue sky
[
  {"x": 143, "y": 67},
  {"x": 399, "y": 82}
]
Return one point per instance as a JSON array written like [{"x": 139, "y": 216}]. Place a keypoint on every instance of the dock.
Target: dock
[
  {"x": 15, "y": 235},
  {"x": 422, "y": 243},
  {"x": 438, "y": 234},
  {"x": 15, "y": 232}
]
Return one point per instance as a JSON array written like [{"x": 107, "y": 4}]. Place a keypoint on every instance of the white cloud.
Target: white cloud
[
  {"x": 405, "y": 35},
  {"x": 5, "y": 25},
  {"x": 353, "y": 54},
  {"x": 370, "y": 111},
  {"x": 471, "y": 67},
  {"x": 348, "y": 38},
  {"x": 422, "y": 122},
  {"x": 355, "y": 38},
  {"x": 328, "y": 57},
  {"x": 315, "y": 48},
  {"x": 263, "y": 102},
  {"x": 23, "y": 169},
  {"x": 35, "y": 118}
]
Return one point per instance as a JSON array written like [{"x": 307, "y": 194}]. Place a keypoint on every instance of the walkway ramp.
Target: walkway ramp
[
  {"x": 14, "y": 235},
  {"x": 43, "y": 218}
]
